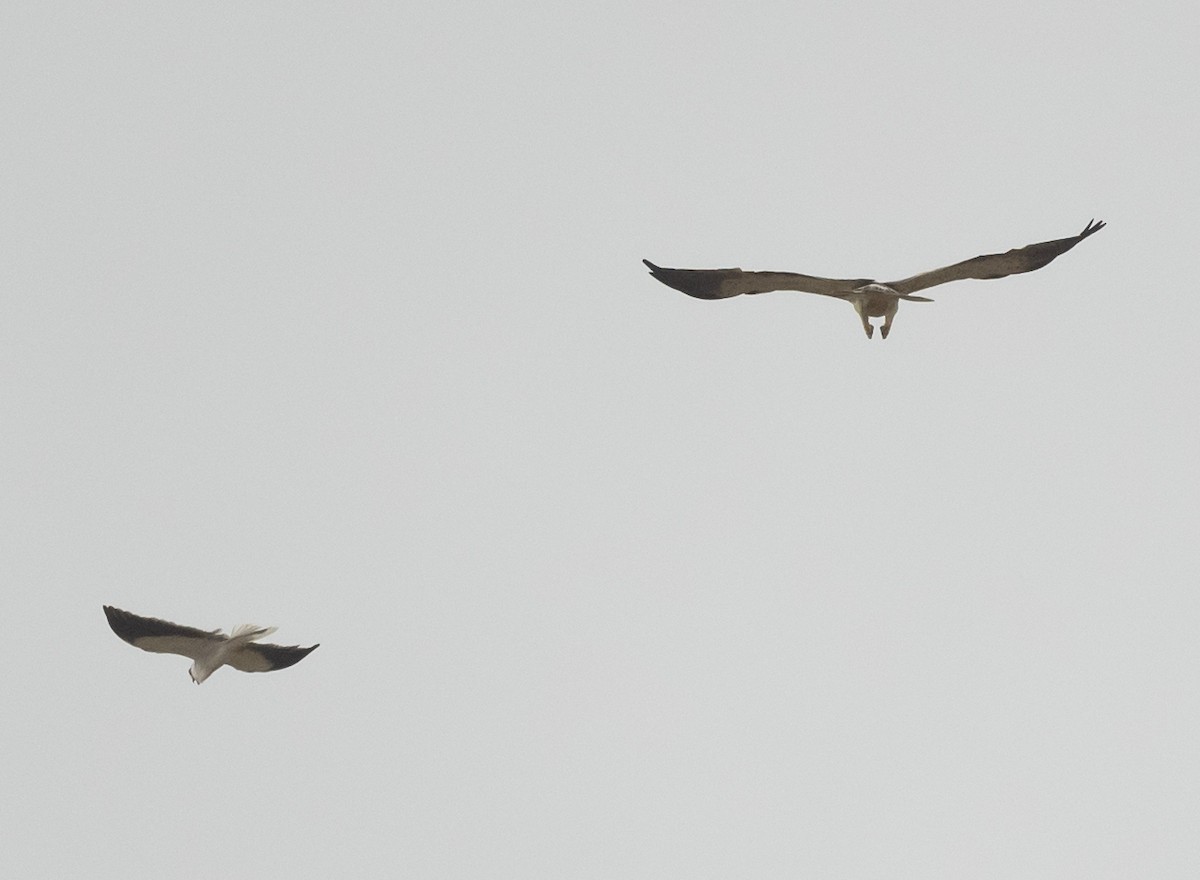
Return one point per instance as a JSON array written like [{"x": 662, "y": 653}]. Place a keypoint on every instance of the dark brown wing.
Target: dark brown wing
[
  {"x": 724, "y": 283},
  {"x": 159, "y": 636},
  {"x": 131, "y": 627},
  {"x": 1012, "y": 262},
  {"x": 264, "y": 658}
]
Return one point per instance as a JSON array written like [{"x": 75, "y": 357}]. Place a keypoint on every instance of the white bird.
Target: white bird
[
  {"x": 870, "y": 298},
  {"x": 209, "y": 651}
]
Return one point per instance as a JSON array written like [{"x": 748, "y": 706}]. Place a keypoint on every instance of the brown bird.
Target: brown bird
[{"x": 871, "y": 299}]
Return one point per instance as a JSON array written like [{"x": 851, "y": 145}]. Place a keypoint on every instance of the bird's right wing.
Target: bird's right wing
[
  {"x": 160, "y": 636},
  {"x": 724, "y": 283}
]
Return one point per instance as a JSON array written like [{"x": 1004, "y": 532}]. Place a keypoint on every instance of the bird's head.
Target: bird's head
[{"x": 198, "y": 673}]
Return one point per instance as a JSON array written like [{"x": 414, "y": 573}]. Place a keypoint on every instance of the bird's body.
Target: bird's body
[
  {"x": 871, "y": 299},
  {"x": 208, "y": 650}
]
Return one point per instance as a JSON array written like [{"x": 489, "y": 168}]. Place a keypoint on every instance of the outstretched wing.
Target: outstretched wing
[
  {"x": 724, "y": 283},
  {"x": 264, "y": 658},
  {"x": 160, "y": 636},
  {"x": 1013, "y": 262}
]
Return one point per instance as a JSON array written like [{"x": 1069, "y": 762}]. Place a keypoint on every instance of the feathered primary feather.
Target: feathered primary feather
[
  {"x": 208, "y": 650},
  {"x": 871, "y": 299}
]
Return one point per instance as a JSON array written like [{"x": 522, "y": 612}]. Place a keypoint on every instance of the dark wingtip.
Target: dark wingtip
[
  {"x": 283, "y": 657},
  {"x": 1092, "y": 226},
  {"x": 122, "y": 623},
  {"x": 650, "y": 266}
]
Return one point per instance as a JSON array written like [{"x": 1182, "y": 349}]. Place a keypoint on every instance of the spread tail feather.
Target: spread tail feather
[{"x": 249, "y": 632}]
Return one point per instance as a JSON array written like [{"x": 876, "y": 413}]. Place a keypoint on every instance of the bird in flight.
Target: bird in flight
[
  {"x": 871, "y": 299},
  {"x": 209, "y": 651}
]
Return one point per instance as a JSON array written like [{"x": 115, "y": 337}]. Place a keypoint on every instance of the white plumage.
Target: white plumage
[{"x": 208, "y": 650}]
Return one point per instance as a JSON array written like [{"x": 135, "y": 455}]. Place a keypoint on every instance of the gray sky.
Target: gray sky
[{"x": 331, "y": 317}]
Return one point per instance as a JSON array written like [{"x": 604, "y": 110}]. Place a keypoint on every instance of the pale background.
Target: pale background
[{"x": 331, "y": 317}]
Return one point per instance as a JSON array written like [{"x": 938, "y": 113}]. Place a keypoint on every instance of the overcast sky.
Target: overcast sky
[{"x": 331, "y": 317}]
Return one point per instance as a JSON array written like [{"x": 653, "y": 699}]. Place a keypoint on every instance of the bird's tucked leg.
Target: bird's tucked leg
[
  {"x": 887, "y": 317},
  {"x": 862, "y": 316}
]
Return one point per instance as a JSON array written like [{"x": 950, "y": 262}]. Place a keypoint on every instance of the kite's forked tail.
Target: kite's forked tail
[{"x": 249, "y": 632}]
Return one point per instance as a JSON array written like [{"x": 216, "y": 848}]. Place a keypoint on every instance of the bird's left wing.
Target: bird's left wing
[
  {"x": 724, "y": 283},
  {"x": 1013, "y": 262},
  {"x": 254, "y": 657},
  {"x": 160, "y": 636}
]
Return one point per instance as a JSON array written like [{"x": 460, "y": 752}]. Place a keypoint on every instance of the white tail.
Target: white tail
[{"x": 249, "y": 632}]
